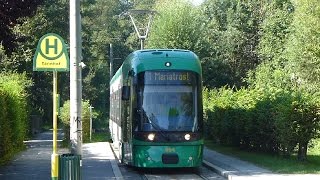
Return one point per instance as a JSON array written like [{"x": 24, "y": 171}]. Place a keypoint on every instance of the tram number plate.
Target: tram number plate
[{"x": 170, "y": 149}]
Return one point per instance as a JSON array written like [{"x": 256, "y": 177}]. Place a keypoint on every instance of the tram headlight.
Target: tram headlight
[
  {"x": 187, "y": 137},
  {"x": 167, "y": 64},
  {"x": 151, "y": 137}
]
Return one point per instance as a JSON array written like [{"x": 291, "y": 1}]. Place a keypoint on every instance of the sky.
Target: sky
[{"x": 196, "y": 2}]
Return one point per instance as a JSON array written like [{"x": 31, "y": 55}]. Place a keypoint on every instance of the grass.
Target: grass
[
  {"x": 100, "y": 137},
  {"x": 96, "y": 137},
  {"x": 275, "y": 163}
]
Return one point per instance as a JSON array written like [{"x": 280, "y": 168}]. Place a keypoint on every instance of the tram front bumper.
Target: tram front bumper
[{"x": 158, "y": 156}]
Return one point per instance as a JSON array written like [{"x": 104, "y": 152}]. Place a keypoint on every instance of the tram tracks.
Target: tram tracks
[
  {"x": 175, "y": 177},
  {"x": 202, "y": 173}
]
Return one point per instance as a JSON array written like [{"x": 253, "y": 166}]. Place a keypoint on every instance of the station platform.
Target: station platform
[{"x": 98, "y": 161}]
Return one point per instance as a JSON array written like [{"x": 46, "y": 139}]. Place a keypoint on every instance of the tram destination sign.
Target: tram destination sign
[{"x": 166, "y": 77}]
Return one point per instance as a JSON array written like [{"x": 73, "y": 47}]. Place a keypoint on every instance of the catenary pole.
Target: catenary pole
[
  {"x": 111, "y": 61},
  {"x": 75, "y": 78},
  {"x": 90, "y": 109}
]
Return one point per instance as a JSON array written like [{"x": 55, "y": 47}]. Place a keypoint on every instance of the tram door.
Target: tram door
[
  {"x": 127, "y": 126},
  {"x": 130, "y": 118}
]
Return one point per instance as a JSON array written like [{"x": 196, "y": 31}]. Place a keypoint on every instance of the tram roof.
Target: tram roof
[
  {"x": 172, "y": 53},
  {"x": 148, "y": 59}
]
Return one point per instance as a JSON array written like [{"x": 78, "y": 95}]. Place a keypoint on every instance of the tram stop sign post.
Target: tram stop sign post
[{"x": 52, "y": 55}]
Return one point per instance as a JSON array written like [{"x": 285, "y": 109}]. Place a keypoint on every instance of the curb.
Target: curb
[
  {"x": 218, "y": 170},
  {"x": 232, "y": 175},
  {"x": 115, "y": 168}
]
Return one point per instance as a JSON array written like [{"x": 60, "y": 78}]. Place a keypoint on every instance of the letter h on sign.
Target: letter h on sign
[{"x": 54, "y": 46}]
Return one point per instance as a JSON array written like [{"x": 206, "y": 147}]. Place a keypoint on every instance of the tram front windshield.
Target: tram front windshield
[{"x": 167, "y": 101}]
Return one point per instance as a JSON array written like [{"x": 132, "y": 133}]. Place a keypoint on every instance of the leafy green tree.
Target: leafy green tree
[
  {"x": 302, "y": 52},
  {"x": 275, "y": 28},
  {"x": 230, "y": 34},
  {"x": 141, "y": 4},
  {"x": 51, "y": 16},
  {"x": 216, "y": 72},
  {"x": 99, "y": 26},
  {"x": 303, "y": 47},
  {"x": 102, "y": 26},
  {"x": 10, "y": 12},
  {"x": 3, "y": 57},
  {"x": 175, "y": 27}
]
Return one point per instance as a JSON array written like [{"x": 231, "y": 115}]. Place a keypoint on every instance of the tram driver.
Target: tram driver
[{"x": 173, "y": 113}]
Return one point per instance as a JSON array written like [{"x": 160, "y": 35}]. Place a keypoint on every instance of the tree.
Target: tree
[
  {"x": 303, "y": 47},
  {"x": 175, "y": 27},
  {"x": 275, "y": 29},
  {"x": 51, "y": 16},
  {"x": 230, "y": 34},
  {"x": 303, "y": 54},
  {"x": 10, "y": 12},
  {"x": 100, "y": 27}
]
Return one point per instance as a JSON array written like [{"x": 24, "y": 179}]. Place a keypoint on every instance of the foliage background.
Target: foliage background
[
  {"x": 64, "y": 115},
  {"x": 14, "y": 122},
  {"x": 260, "y": 61}
]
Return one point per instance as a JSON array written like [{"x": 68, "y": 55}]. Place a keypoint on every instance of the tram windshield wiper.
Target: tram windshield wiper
[
  {"x": 157, "y": 127},
  {"x": 154, "y": 124},
  {"x": 151, "y": 121}
]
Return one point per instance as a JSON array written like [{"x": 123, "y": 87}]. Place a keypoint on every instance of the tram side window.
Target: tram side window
[
  {"x": 118, "y": 106},
  {"x": 113, "y": 106},
  {"x": 118, "y": 110}
]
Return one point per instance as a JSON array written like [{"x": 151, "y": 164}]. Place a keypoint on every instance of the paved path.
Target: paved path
[
  {"x": 98, "y": 162},
  {"x": 34, "y": 163}
]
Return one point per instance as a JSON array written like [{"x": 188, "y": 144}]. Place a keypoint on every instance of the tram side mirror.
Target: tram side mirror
[{"x": 125, "y": 93}]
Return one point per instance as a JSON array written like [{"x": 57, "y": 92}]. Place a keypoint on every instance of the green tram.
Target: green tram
[{"x": 156, "y": 115}]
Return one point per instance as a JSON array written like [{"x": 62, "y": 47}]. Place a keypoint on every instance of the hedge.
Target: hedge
[
  {"x": 270, "y": 121},
  {"x": 13, "y": 113}
]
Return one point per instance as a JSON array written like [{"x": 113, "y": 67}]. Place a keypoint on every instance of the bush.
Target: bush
[
  {"x": 13, "y": 114},
  {"x": 298, "y": 123},
  {"x": 85, "y": 117}
]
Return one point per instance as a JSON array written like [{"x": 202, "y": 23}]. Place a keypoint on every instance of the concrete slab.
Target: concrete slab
[{"x": 98, "y": 162}]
